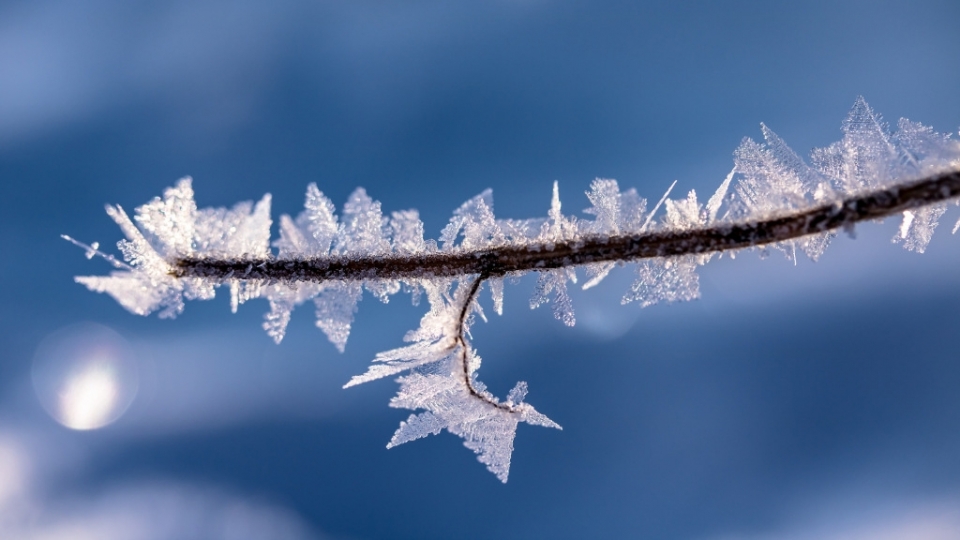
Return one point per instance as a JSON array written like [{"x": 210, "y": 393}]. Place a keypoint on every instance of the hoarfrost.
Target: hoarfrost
[
  {"x": 292, "y": 241},
  {"x": 319, "y": 220},
  {"x": 241, "y": 291},
  {"x": 865, "y": 158},
  {"x": 474, "y": 220},
  {"x": 918, "y": 226},
  {"x": 438, "y": 365},
  {"x": 684, "y": 213},
  {"x": 485, "y": 428},
  {"x": 434, "y": 340},
  {"x": 407, "y": 232},
  {"x": 312, "y": 234},
  {"x": 718, "y": 197},
  {"x": 169, "y": 222},
  {"x": 243, "y": 231},
  {"x": 283, "y": 298},
  {"x": 441, "y": 381},
  {"x": 605, "y": 196},
  {"x": 615, "y": 213},
  {"x": 557, "y": 227},
  {"x": 596, "y": 272},
  {"x": 555, "y": 281},
  {"x": 665, "y": 280},
  {"x": 363, "y": 227},
  {"x": 766, "y": 185},
  {"x": 136, "y": 293},
  {"x": 336, "y": 305},
  {"x": 656, "y": 207},
  {"x": 496, "y": 294},
  {"x": 633, "y": 211}
]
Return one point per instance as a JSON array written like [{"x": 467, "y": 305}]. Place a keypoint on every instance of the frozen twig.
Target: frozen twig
[
  {"x": 502, "y": 260},
  {"x": 175, "y": 252}
]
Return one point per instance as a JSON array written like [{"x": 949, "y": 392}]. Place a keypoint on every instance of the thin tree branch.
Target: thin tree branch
[
  {"x": 541, "y": 256},
  {"x": 464, "y": 348}
]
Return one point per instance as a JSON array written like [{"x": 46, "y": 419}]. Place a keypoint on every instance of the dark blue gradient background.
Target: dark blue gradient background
[{"x": 805, "y": 402}]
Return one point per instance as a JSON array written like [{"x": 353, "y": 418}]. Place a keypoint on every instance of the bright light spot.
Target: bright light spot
[
  {"x": 85, "y": 376},
  {"x": 89, "y": 397}
]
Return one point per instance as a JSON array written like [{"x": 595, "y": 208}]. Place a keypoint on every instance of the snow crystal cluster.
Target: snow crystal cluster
[{"x": 438, "y": 366}]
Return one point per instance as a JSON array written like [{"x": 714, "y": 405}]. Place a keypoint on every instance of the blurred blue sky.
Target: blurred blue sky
[{"x": 809, "y": 402}]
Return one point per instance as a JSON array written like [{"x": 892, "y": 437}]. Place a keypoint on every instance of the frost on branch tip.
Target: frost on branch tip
[
  {"x": 440, "y": 380},
  {"x": 174, "y": 251}
]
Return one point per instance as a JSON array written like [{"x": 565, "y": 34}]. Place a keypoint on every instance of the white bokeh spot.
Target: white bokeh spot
[
  {"x": 89, "y": 397},
  {"x": 85, "y": 376}
]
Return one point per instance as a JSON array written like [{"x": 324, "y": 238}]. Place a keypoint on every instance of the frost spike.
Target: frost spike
[
  {"x": 713, "y": 205},
  {"x": 657, "y": 207}
]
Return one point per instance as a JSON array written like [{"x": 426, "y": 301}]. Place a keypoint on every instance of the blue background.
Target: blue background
[{"x": 785, "y": 403}]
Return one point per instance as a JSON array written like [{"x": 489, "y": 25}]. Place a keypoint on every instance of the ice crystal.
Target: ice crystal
[
  {"x": 314, "y": 230},
  {"x": 474, "y": 220},
  {"x": 438, "y": 366},
  {"x": 434, "y": 340},
  {"x": 555, "y": 281},
  {"x": 485, "y": 428},
  {"x": 171, "y": 228},
  {"x": 557, "y": 227},
  {"x": 665, "y": 280},
  {"x": 605, "y": 196},
  {"x": 407, "y": 232},
  {"x": 615, "y": 212},
  {"x": 496, "y": 294},
  {"x": 336, "y": 305}
]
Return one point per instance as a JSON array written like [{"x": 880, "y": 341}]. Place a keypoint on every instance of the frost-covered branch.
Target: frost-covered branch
[
  {"x": 174, "y": 252},
  {"x": 537, "y": 256}
]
